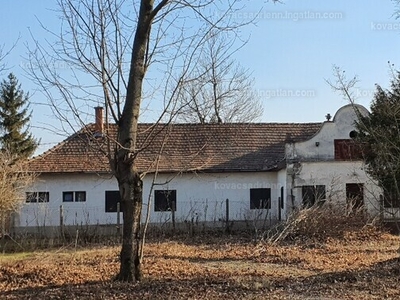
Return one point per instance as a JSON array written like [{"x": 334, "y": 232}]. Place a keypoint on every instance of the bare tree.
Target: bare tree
[
  {"x": 106, "y": 48},
  {"x": 14, "y": 181},
  {"x": 219, "y": 89},
  {"x": 3, "y": 55}
]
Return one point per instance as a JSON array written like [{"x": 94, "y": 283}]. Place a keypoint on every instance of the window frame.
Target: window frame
[
  {"x": 109, "y": 202},
  {"x": 77, "y": 195},
  {"x": 260, "y": 203},
  {"x": 67, "y": 193},
  {"x": 74, "y": 195},
  {"x": 37, "y": 197},
  {"x": 347, "y": 150},
  {"x": 168, "y": 205},
  {"x": 314, "y": 191}
]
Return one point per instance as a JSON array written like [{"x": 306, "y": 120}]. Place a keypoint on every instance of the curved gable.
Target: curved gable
[{"x": 322, "y": 145}]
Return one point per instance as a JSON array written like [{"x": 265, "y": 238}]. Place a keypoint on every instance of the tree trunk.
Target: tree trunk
[
  {"x": 129, "y": 181},
  {"x": 131, "y": 189}
]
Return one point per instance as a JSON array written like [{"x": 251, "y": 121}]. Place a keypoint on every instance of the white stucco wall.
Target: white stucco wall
[
  {"x": 75, "y": 213},
  {"x": 312, "y": 162},
  {"x": 321, "y": 145},
  {"x": 200, "y": 197},
  {"x": 335, "y": 175}
]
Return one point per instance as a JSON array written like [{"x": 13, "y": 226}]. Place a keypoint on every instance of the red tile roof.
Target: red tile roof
[{"x": 186, "y": 147}]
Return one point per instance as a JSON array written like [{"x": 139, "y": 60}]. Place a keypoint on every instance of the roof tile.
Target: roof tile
[{"x": 185, "y": 147}]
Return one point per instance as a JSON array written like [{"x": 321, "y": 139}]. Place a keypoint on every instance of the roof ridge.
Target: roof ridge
[{"x": 222, "y": 124}]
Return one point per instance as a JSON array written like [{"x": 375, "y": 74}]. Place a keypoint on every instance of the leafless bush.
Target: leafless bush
[
  {"x": 13, "y": 182},
  {"x": 318, "y": 223}
]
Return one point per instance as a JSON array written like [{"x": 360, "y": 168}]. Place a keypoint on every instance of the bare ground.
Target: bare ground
[{"x": 357, "y": 265}]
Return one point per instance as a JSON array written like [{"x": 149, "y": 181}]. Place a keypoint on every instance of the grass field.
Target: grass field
[{"x": 357, "y": 265}]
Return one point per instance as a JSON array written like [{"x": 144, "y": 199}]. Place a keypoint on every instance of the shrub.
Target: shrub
[{"x": 319, "y": 223}]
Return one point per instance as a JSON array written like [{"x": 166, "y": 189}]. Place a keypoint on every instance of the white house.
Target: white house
[
  {"x": 329, "y": 166},
  {"x": 265, "y": 170}
]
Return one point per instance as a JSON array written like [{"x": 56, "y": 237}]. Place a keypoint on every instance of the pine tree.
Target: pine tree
[
  {"x": 14, "y": 118},
  {"x": 379, "y": 136}
]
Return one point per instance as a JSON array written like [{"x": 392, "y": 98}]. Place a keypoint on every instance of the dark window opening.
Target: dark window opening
[
  {"x": 260, "y": 198},
  {"x": 353, "y": 134},
  {"x": 313, "y": 194},
  {"x": 165, "y": 200},
  {"x": 355, "y": 195},
  {"x": 34, "y": 197},
  {"x": 43, "y": 196},
  {"x": 112, "y": 200},
  {"x": 31, "y": 197},
  {"x": 74, "y": 196},
  {"x": 282, "y": 195},
  {"x": 68, "y": 196},
  {"x": 80, "y": 196}
]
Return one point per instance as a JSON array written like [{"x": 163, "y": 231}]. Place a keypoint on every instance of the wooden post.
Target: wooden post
[
  {"x": 61, "y": 221},
  {"x": 118, "y": 218},
  {"x": 227, "y": 215},
  {"x": 13, "y": 218},
  {"x": 173, "y": 218},
  {"x": 3, "y": 224}
]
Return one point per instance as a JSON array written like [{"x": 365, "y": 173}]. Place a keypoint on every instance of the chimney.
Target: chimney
[{"x": 99, "y": 120}]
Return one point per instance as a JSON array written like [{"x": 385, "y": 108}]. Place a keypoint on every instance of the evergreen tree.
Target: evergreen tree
[
  {"x": 14, "y": 118},
  {"x": 379, "y": 136}
]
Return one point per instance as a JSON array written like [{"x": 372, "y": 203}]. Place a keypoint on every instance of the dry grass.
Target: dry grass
[
  {"x": 361, "y": 264},
  {"x": 319, "y": 223}
]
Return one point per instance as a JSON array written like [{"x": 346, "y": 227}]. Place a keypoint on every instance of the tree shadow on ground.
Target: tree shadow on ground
[
  {"x": 380, "y": 280},
  {"x": 149, "y": 288}
]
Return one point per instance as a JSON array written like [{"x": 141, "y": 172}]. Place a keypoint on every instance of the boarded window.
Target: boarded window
[
  {"x": 165, "y": 200},
  {"x": 260, "y": 198},
  {"x": 112, "y": 200},
  {"x": 347, "y": 149},
  {"x": 312, "y": 194}
]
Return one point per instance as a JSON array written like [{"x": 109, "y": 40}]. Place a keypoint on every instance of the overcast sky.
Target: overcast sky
[{"x": 290, "y": 52}]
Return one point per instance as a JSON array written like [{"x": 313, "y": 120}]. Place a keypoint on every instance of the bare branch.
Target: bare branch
[
  {"x": 219, "y": 90},
  {"x": 121, "y": 52}
]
